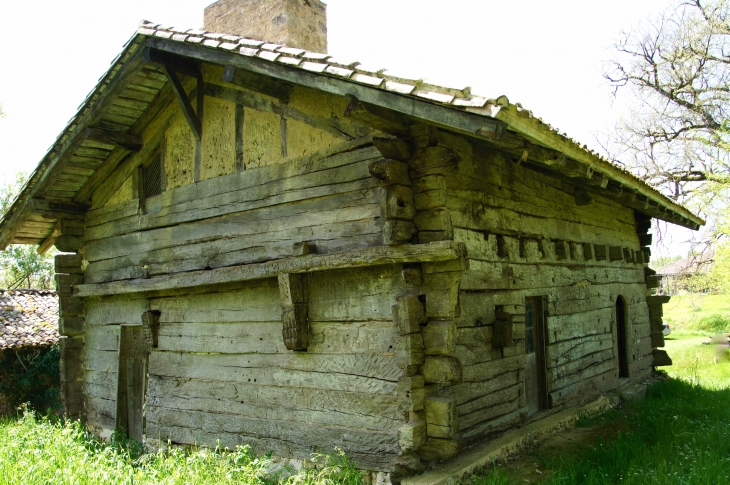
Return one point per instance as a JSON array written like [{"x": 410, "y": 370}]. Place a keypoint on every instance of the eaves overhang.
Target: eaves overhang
[{"x": 76, "y": 163}]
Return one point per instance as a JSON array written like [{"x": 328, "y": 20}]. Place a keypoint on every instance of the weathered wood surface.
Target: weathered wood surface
[
  {"x": 373, "y": 256},
  {"x": 252, "y": 188}
]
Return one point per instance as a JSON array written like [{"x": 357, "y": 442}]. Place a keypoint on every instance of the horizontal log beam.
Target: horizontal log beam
[
  {"x": 131, "y": 142},
  {"x": 57, "y": 210},
  {"x": 180, "y": 64},
  {"x": 257, "y": 82},
  {"x": 374, "y": 256}
]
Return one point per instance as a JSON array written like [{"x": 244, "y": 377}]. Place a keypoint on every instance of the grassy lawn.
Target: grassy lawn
[
  {"x": 707, "y": 313},
  {"x": 37, "y": 451}
]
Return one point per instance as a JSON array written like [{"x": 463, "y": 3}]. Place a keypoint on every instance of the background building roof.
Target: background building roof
[{"x": 28, "y": 318}]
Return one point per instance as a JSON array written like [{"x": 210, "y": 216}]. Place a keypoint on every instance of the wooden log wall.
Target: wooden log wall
[
  {"x": 330, "y": 201},
  {"x": 221, "y": 370},
  {"x": 525, "y": 235}
]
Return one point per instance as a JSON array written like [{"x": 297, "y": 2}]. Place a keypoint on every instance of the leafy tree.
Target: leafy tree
[
  {"x": 676, "y": 69},
  {"x": 21, "y": 265}
]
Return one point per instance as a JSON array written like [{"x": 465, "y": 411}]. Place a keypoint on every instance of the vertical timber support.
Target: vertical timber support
[
  {"x": 656, "y": 312},
  {"x": 408, "y": 314},
  {"x": 396, "y": 204},
  {"x": 69, "y": 272},
  {"x": 293, "y": 312}
]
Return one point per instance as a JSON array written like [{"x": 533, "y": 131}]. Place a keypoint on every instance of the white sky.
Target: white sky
[{"x": 545, "y": 54}]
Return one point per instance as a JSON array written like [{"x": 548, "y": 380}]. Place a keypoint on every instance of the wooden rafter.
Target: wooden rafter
[{"x": 127, "y": 141}]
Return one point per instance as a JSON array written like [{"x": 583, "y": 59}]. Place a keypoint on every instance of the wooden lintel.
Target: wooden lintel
[
  {"x": 50, "y": 240},
  {"x": 373, "y": 256},
  {"x": 180, "y": 64},
  {"x": 187, "y": 108},
  {"x": 257, "y": 82},
  {"x": 128, "y": 141}
]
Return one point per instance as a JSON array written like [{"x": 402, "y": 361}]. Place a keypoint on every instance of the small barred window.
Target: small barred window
[{"x": 152, "y": 177}]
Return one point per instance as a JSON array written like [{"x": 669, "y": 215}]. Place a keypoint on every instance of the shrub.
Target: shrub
[{"x": 32, "y": 376}]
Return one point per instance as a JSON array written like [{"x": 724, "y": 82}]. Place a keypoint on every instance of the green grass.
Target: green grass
[
  {"x": 708, "y": 313},
  {"x": 680, "y": 434},
  {"x": 40, "y": 451}
]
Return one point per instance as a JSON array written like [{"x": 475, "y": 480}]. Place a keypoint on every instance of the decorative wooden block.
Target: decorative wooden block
[
  {"x": 439, "y": 338},
  {"x": 296, "y": 326},
  {"x": 412, "y": 435},
  {"x": 151, "y": 328},
  {"x": 502, "y": 330},
  {"x": 441, "y": 369}
]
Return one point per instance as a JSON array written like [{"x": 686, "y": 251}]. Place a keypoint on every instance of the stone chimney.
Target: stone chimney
[{"x": 296, "y": 23}]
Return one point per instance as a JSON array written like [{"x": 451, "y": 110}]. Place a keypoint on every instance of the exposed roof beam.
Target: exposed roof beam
[
  {"x": 128, "y": 141},
  {"x": 442, "y": 116}
]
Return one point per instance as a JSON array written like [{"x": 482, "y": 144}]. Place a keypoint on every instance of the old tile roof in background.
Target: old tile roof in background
[{"x": 28, "y": 318}]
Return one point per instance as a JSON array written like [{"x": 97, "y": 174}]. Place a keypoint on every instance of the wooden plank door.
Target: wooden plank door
[
  {"x": 131, "y": 381},
  {"x": 535, "y": 355}
]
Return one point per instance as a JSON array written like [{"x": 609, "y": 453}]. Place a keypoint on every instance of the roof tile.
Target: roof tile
[
  {"x": 314, "y": 66},
  {"x": 251, "y": 42},
  {"x": 338, "y": 71},
  {"x": 247, "y": 51},
  {"x": 145, "y": 31},
  {"x": 268, "y": 55},
  {"x": 292, "y": 61},
  {"x": 399, "y": 87},
  {"x": 369, "y": 80},
  {"x": 473, "y": 102},
  {"x": 179, "y": 37},
  {"x": 229, "y": 46},
  {"x": 441, "y": 98},
  {"x": 197, "y": 32},
  {"x": 28, "y": 317},
  {"x": 195, "y": 40},
  {"x": 213, "y": 35},
  {"x": 163, "y": 34},
  {"x": 292, "y": 51},
  {"x": 231, "y": 38},
  {"x": 211, "y": 43},
  {"x": 271, "y": 47},
  {"x": 315, "y": 56}
]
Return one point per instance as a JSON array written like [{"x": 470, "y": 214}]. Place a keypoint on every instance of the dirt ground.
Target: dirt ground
[{"x": 529, "y": 466}]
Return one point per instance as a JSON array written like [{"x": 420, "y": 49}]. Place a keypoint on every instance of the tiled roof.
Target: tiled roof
[
  {"x": 461, "y": 98},
  {"x": 28, "y": 318}
]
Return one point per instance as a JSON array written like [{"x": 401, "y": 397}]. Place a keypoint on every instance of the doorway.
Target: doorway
[
  {"x": 131, "y": 381},
  {"x": 623, "y": 363},
  {"x": 536, "y": 395}
]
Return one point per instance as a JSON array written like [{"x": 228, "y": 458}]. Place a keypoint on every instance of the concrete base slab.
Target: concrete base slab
[{"x": 511, "y": 442}]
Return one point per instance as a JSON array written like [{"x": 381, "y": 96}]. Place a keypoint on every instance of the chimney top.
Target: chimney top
[{"x": 296, "y": 23}]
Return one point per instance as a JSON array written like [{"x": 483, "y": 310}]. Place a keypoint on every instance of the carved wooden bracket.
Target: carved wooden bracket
[{"x": 293, "y": 312}]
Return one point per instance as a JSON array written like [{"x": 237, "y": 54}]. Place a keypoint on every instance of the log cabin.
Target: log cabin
[{"x": 263, "y": 244}]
